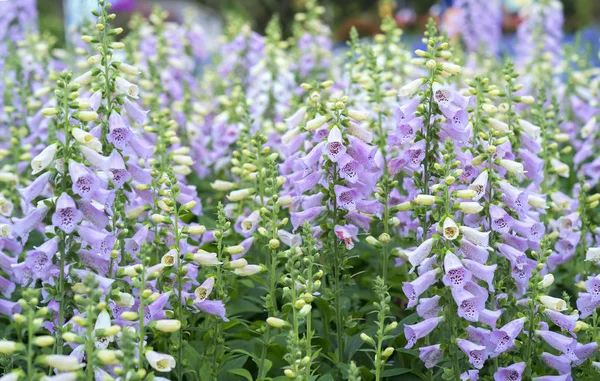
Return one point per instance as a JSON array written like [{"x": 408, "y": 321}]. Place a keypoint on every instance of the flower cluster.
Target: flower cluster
[{"x": 288, "y": 211}]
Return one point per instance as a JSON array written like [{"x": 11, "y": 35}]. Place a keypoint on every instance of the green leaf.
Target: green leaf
[
  {"x": 242, "y": 372},
  {"x": 394, "y": 372}
]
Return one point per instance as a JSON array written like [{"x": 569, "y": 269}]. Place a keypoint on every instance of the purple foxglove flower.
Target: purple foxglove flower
[
  {"x": 417, "y": 331},
  {"x": 133, "y": 244},
  {"x": 429, "y": 307},
  {"x": 363, "y": 153},
  {"x": 95, "y": 261},
  {"x": 348, "y": 168},
  {"x": 559, "y": 342},
  {"x": 308, "y": 183},
  {"x": 516, "y": 242},
  {"x": 9, "y": 308},
  {"x": 415, "y": 155},
  {"x": 372, "y": 207},
  {"x": 564, "y": 322},
  {"x": 289, "y": 239},
  {"x": 431, "y": 355},
  {"x": 476, "y": 353},
  {"x": 533, "y": 166},
  {"x": 562, "y": 377},
  {"x": 334, "y": 149},
  {"x": 516, "y": 199},
  {"x": 248, "y": 225},
  {"x": 501, "y": 221},
  {"x": 358, "y": 219},
  {"x": 213, "y": 307},
  {"x": 469, "y": 305},
  {"x": 298, "y": 218},
  {"x": 103, "y": 283},
  {"x": 143, "y": 149},
  {"x": 34, "y": 189},
  {"x": 406, "y": 112},
  {"x": 489, "y": 317},
  {"x": 346, "y": 197},
  {"x": 502, "y": 339},
  {"x": 312, "y": 158},
  {"x": 396, "y": 164},
  {"x": 119, "y": 134},
  {"x": 473, "y": 252},
  {"x": 84, "y": 181},
  {"x": 6, "y": 287},
  {"x": 246, "y": 244},
  {"x": 585, "y": 351},
  {"x": 66, "y": 216},
  {"x": 347, "y": 234},
  {"x": 116, "y": 167},
  {"x": 413, "y": 289},
  {"x": 470, "y": 375},
  {"x": 480, "y": 336},
  {"x": 100, "y": 242},
  {"x": 456, "y": 275},
  {"x": 530, "y": 229},
  {"x": 483, "y": 272},
  {"x": 561, "y": 363},
  {"x": 156, "y": 309},
  {"x": 513, "y": 372},
  {"x": 134, "y": 111},
  {"x": 418, "y": 255},
  {"x": 26, "y": 225},
  {"x": 427, "y": 265}
]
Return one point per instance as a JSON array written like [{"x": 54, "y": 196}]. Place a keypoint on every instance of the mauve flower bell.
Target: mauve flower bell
[
  {"x": 430, "y": 355},
  {"x": 477, "y": 354},
  {"x": 84, "y": 180},
  {"x": 66, "y": 216},
  {"x": 417, "y": 331},
  {"x": 456, "y": 275},
  {"x": 513, "y": 372},
  {"x": 413, "y": 289},
  {"x": 502, "y": 339}
]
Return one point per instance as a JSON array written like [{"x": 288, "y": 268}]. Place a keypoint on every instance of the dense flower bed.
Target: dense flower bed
[{"x": 290, "y": 213}]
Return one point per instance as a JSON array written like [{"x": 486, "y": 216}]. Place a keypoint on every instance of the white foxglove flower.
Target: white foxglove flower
[
  {"x": 123, "y": 86},
  {"x": 316, "y": 122},
  {"x": 476, "y": 237},
  {"x": 62, "y": 362},
  {"x": 555, "y": 304},
  {"x": 84, "y": 79},
  {"x": 411, "y": 87},
  {"x": 129, "y": 69},
  {"x": 239, "y": 195},
  {"x": 499, "y": 126},
  {"x": 82, "y": 136},
  {"x": 204, "y": 258},
  {"x": 593, "y": 254},
  {"x": 470, "y": 207},
  {"x": 160, "y": 361},
  {"x": 561, "y": 168},
  {"x": 248, "y": 270},
  {"x": 530, "y": 129},
  {"x": 358, "y": 115},
  {"x": 512, "y": 166},
  {"x": 167, "y": 325},
  {"x": 43, "y": 159},
  {"x": 450, "y": 229}
]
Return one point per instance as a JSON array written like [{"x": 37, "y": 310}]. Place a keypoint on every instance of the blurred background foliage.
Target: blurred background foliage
[{"x": 411, "y": 15}]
